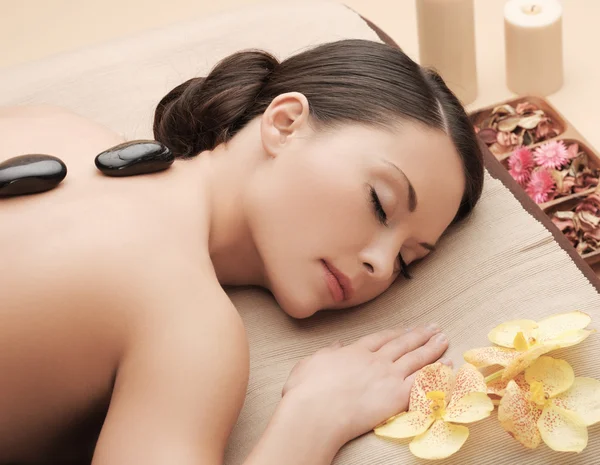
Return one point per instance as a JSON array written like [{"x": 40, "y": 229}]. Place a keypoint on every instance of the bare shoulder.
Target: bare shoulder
[
  {"x": 44, "y": 128},
  {"x": 182, "y": 381}
]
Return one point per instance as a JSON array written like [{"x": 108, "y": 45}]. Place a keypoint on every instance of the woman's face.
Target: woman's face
[{"x": 336, "y": 214}]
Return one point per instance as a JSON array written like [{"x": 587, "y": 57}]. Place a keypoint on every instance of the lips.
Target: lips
[{"x": 338, "y": 283}]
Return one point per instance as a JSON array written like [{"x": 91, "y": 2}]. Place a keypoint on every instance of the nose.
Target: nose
[{"x": 379, "y": 257}]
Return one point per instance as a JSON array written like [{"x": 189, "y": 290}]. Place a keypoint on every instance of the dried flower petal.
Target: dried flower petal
[
  {"x": 573, "y": 150},
  {"x": 552, "y": 154},
  {"x": 526, "y": 107},
  {"x": 520, "y": 165},
  {"x": 488, "y": 135},
  {"x": 503, "y": 110},
  {"x": 540, "y": 186},
  {"x": 509, "y": 124},
  {"x": 530, "y": 122}
]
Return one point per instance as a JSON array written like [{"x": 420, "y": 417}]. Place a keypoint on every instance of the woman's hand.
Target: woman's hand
[{"x": 353, "y": 388}]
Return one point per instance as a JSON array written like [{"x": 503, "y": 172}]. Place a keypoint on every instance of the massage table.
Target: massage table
[{"x": 507, "y": 261}]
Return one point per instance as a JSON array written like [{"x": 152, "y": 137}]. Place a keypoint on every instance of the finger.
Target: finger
[
  {"x": 446, "y": 361},
  {"x": 424, "y": 355},
  {"x": 375, "y": 341},
  {"x": 408, "y": 383},
  {"x": 408, "y": 342},
  {"x": 402, "y": 403}
]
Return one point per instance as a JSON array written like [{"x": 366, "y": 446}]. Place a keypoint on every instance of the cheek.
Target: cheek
[{"x": 324, "y": 203}]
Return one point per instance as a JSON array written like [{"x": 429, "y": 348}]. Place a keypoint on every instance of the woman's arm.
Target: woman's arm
[
  {"x": 342, "y": 392},
  {"x": 180, "y": 389}
]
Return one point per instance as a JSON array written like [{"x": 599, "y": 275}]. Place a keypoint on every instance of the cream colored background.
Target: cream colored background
[{"x": 33, "y": 29}]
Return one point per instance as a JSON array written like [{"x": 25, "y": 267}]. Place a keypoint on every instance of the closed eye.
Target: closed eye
[
  {"x": 404, "y": 268},
  {"x": 378, "y": 208},
  {"x": 382, "y": 217}
]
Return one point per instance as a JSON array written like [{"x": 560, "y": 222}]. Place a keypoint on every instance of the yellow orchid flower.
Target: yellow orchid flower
[
  {"x": 549, "y": 404},
  {"x": 519, "y": 343},
  {"x": 437, "y": 401}
]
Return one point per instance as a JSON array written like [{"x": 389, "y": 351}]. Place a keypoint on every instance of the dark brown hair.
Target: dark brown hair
[{"x": 346, "y": 81}]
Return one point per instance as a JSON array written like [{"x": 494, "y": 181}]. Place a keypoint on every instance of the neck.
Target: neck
[{"x": 231, "y": 246}]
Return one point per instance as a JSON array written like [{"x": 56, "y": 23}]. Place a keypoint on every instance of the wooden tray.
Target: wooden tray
[{"x": 568, "y": 134}]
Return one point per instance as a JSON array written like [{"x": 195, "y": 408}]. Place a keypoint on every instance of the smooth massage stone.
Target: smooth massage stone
[
  {"x": 30, "y": 174},
  {"x": 134, "y": 157}
]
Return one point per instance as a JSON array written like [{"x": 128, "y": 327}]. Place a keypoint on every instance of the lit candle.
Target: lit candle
[
  {"x": 447, "y": 43},
  {"x": 534, "y": 51}
]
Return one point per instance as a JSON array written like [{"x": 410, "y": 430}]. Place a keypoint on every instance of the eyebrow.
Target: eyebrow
[
  {"x": 412, "y": 195},
  {"x": 412, "y": 200}
]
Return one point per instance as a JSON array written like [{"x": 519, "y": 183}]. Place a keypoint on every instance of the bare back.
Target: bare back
[{"x": 82, "y": 269}]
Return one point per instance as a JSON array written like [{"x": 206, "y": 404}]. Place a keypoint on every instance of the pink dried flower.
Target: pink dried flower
[
  {"x": 541, "y": 186},
  {"x": 553, "y": 154},
  {"x": 520, "y": 165}
]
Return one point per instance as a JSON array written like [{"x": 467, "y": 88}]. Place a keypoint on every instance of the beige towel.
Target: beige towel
[{"x": 501, "y": 264}]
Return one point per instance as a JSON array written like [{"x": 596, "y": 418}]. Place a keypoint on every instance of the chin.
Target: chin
[{"x": 295, "y": 307}]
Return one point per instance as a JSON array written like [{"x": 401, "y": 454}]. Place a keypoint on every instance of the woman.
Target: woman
[{"x": 320, "y": 178}]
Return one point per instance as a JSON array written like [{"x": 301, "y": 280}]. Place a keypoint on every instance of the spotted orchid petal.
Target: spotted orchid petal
[
  {"x": 487, "y": 356},
  {"x": 440, "y": 441},
  {"x": 554, "y": 326},
  {"x": 555, "y": 375},
  {"x": 505, "y": 333},
  {"x": 519, "y": 416},
  {"x": 434, "y": 377},
  {"x": 562, "y": 430},
  {"x": 498, "y": 386},
  {"x": 523, "y": 359},
  {"x": 469, "y": 401},
  {"x": 583, "y": 398},
  {"x": 405, "y": 425}
]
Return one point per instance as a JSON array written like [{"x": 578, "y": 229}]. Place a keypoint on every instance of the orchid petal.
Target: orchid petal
[
  {"x": 486, "y": 356},
  {"x": 562, "y": 430},
  {"x": 405, "y": 425},
  {"x": 551, "y": 327},
  {"x": 469, "y": 401},
  {"x": 498, "y": 386},
  {"x": 524, "y": 359},
  {"x": 440, "y": 441},
  {"x": 471, "y": 407},
  {"x": 434, "y": 377},
  {"x": 555, "y": 375},
  {"x": 583, "y": 398},
  {"x": 569, "y": 338},
  {"x": 505, "y": 333},
  {"x": 519, "y": 416}
]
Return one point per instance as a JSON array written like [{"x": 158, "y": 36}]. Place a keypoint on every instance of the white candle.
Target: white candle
[
  {"x": 447, "y": 43},
  {"x": 534, "y": 51}
]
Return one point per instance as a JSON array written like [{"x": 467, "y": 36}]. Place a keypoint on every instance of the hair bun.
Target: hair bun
[{"x": 201, "y": 113}]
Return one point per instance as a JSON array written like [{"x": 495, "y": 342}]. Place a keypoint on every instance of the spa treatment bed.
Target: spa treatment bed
[{"x": 508, "y": 261}]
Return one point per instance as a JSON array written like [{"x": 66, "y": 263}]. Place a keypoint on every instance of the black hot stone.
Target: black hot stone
[
  {"x": 134, "y": 157},
  {"x": 30, "y": 174}
]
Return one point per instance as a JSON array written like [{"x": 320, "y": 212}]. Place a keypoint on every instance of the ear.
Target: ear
[{"x": 284, "y": 118}]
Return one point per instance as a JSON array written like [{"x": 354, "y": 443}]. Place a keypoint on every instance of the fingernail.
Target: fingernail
[
  {"x": 446, "y": 361},
  {"x": 440, "y": 338},
  {"x": 409, "y": 329},
  {"x": 433, "y": 327}
]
